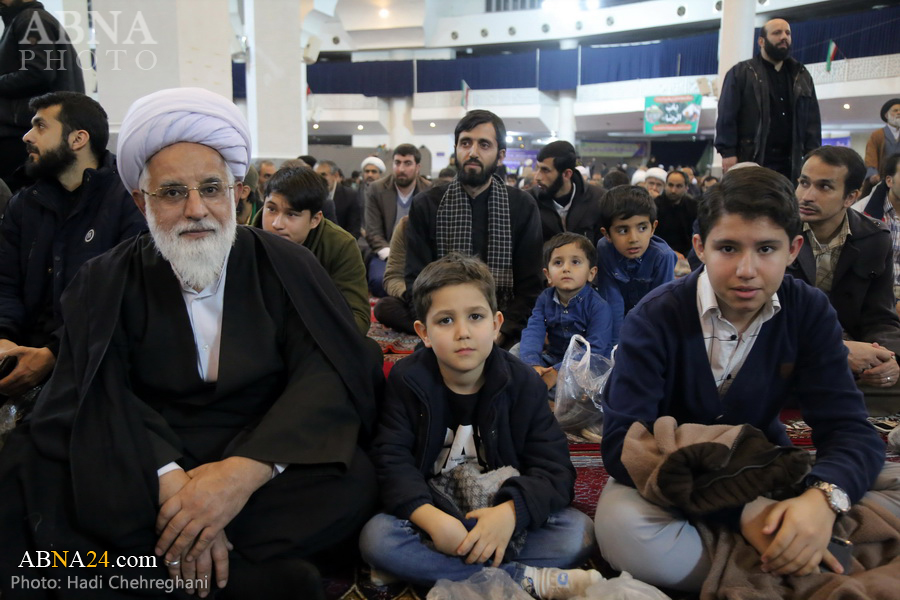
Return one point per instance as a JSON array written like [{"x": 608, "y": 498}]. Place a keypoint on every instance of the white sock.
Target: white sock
[{"x": 558, "y": 584}]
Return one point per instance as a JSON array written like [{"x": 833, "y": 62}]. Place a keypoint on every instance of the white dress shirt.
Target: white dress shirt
[{"x": 726, "y": 347}]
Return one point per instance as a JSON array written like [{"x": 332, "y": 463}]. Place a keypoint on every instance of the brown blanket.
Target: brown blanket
[
  {"x": 874, "y": 572},
  {"x": 701, "y": 468}
]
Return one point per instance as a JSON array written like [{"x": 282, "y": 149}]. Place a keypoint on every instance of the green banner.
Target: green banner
[
  {"x": 613, "y": 149},
  {"x": 671, "y": 114}
]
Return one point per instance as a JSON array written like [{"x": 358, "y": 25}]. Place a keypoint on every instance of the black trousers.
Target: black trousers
[{"x": 301, "y": 512}]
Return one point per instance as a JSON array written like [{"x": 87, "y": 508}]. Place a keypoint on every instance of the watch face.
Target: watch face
[{"x": 840, "y": 499}]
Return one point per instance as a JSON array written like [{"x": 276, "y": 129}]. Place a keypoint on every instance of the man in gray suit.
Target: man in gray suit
[{"x": 387, "y": 201}]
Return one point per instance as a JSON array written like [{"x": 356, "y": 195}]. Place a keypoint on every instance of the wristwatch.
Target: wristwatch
[{"x": 837, "y": 498}]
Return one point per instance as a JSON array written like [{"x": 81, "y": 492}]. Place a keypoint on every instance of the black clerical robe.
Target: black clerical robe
[{"x": 295, "y": 386}]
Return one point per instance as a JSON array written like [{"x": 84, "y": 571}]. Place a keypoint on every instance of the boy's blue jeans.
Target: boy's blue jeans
[{"x": 394, "y": 546}]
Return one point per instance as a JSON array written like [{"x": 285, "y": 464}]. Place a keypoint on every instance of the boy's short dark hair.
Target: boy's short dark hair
[
  {"x": 889, "y": 165},
  {"x": 751, "y": 192},
  {"x": 447, "y": 172},
  {"x": 624, "y": 202},
  {"x": 561, "y": 239},
  {"x": 474, "y": 118},
  {"x": 710, "y": 178},
  {"x": 562, "y": 153},
  {"x": 302, "y": 187},
  {"x": 838, "y": 156},
  {"x": 615, "y": 178},
  {"x": 78, "y": 112},
  {"x": 452, "y": 269},
  {"x": 408, "y": 150}
]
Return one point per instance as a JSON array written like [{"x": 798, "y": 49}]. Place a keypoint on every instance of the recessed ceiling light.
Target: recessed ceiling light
[
  {"x": 509, "y": 139},
  {"x": 359, "y": 127},
  {"x": 847, "y": 106},
  {"x": 315, "y": 125},
  {"x": 432, "y": 124},
  {"x": 384, "y": 13}
]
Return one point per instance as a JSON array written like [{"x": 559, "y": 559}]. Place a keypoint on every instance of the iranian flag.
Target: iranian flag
[{"x": 831, "y": 54}]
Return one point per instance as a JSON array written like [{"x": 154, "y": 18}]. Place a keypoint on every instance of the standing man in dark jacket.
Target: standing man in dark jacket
[
  {"x": 768, "y": 111},
  {"x": 478, "y": 214},
  {"x": 563, "y": 199},
  {"x": 77, "y": 209},
  {"x": 36, "y": 57}
]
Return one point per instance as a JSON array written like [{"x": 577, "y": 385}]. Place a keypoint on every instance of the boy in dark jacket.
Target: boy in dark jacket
[
  {"x": 632, "y": 260},
  {"x": 728, "y": 345},
  {"x": 464, "y": 414}
]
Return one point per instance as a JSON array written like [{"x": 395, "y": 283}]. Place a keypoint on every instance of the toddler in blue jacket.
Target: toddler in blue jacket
[
  {"x": 632, "y": 260},
  {"x": 569, "y": 306}
]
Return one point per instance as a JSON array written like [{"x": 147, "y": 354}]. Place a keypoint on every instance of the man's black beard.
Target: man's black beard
[
  {"x": 50, "y": 164},
  {"x": 550, "y": 192},
  {"x": 775, "y": 53},
  {"x": 475, "y": 178}
]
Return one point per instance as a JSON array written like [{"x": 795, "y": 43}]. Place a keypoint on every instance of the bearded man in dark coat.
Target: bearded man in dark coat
[{"x": 203, "y": 409}]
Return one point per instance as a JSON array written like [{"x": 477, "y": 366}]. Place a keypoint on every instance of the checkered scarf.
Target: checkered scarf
[{"x": 454, "y": 232}]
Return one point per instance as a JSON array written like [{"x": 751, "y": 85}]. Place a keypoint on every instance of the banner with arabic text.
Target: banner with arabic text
[{"x": 671, "y": 114}]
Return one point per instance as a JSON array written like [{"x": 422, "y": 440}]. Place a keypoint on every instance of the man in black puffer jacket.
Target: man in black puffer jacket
[{"x": 76, "y": 209}]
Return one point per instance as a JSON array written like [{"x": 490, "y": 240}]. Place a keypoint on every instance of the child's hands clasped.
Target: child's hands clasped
[{"x": 491, "y": 534}]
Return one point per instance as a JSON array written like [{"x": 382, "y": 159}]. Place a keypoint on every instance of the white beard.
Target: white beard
[
  {"x": 894, "y": 122},
  {"x": 197, "y": 262}
]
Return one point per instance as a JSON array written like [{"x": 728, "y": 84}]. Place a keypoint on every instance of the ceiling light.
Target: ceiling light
[
  {"x": 315, "y": 125},
  {"x": 359, "y": 127},
  {"x": 847, "y": 106},
  {"x": 509, "y": 139},
  {"x": 384, "y": 13},
  {"x": 432, "y": 124}
]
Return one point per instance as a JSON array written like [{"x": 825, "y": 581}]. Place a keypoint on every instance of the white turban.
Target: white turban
[
  {"x": 638, "y": 177},
  {"x": 373, "y": 160},
  {"x": 656, "y": 173},
  {"x": 181, "y": 115}
]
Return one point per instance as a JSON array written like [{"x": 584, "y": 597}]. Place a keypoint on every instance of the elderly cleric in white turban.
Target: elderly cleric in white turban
[{"x": 181, "y": 115}]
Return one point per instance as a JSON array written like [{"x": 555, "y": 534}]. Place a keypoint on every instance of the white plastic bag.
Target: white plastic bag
[
  {"x": 579, "y": 389},
  {"x": 487, "y": 584},
  {"x": 623, "y": 587}
]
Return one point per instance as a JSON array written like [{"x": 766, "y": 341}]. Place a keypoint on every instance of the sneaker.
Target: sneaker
[{"x": 560, "y": 584}]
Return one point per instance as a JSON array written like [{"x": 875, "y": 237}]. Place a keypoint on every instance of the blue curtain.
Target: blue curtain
[
  {"x": 481, "y": 73},
  {"x": 695, "y": 55},
  {"x": 558, "y": 70},
  {"x": 386, "y": 79},
  {"x": 870, "y": 33},
  {"x": 238, "y": 80}
]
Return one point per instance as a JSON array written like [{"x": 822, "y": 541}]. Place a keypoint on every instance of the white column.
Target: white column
[
  {"x": 73, "y": 16},
  {"x": 736, "y": 40},
  {"x": 735, "y": 43},
  {"x": 401, "y": 131},
  {"x": 401, "y": 128},
  {"x": 565, "y": 129},
  {"x": 276, "y": 78},
  {"x": 143, "y": 46}
]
